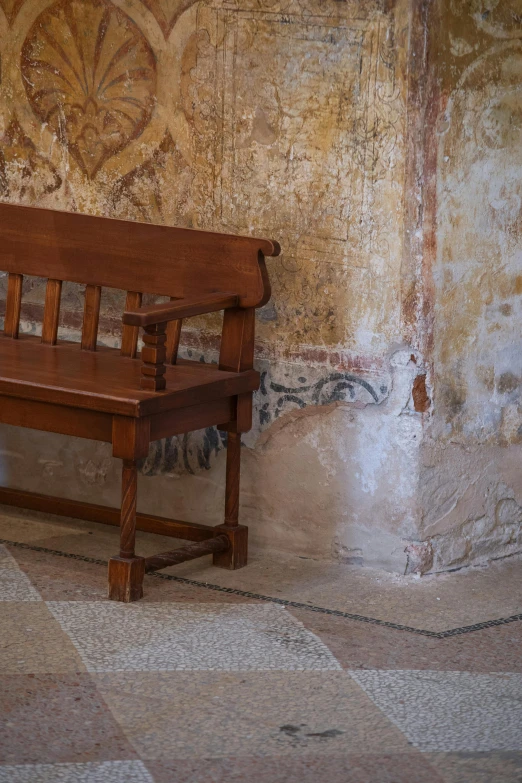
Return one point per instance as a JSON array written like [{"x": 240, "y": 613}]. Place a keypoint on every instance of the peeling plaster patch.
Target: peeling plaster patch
[
  {"x": 507, "y": 382},
  {"x": 421, "y": 400},
  {"x": 511, "y": 423},
  {"x": 499, "y": 18},
  {"x": 347, "y": 556},
  {"x": 420, "y": 558},
  {"x": 50, "y": 466},
  {"x": 460, "y": 47},
  {"x": 93, "y": 472},
  {"x": 375, "y": 457},
  {"x": 478, "y": 309},
  {"x": 306, "y": 412}
]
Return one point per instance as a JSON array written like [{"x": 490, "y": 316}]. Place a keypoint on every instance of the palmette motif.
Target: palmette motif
[{"x": 90, "y": 74}]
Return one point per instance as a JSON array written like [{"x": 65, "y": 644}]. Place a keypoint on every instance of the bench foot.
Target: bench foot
[
  {"x": 236, "y": 555},
  {"x": 126, "y": 579}
]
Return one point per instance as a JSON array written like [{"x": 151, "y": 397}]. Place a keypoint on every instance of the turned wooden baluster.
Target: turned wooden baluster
[
  {"x": 126, "y": 571},
  {"x": 129, "y": 487},
  {"x": 153, "y": 356},
  {"x": 130, "y": 442}
]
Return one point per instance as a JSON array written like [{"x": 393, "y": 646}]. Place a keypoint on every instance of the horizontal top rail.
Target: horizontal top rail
[{"x": 161, "y": 260}]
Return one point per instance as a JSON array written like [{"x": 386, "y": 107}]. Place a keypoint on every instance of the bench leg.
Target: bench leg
[
  {"x": 126, "y": 572},
  {"x": 236, "y": 555}
]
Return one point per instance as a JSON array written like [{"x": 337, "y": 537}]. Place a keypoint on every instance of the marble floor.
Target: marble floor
[{"x": 289, "y": 671}]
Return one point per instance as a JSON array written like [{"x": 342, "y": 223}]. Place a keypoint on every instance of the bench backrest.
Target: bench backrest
[{"x": 135, "y": 257}]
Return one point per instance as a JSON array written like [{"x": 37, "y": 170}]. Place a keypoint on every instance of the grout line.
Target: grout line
[{"x": 283, "y": 601}]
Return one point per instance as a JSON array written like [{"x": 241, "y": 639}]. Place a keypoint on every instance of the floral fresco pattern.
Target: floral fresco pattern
[{"x": 89, "y": 74}]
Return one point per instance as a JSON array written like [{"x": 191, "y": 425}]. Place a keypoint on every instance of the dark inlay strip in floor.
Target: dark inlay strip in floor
[{"x": 283, "y": 601}]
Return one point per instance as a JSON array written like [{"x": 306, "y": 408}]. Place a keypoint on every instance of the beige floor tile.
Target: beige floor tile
[
  {"x": 359, "y": 645},
  {"x": 434, "y": 603},
  {"x": 55, "y": 718},
  {"x": 477, "y": 767},
  {"x": 200, "y": 714},
  {"x": 73, "y": 535},
  {"x": 28, "y": 527},
  {"x": 68, "y": 579},
  {"x": 308, "y": 768},
  {"x": 32, "y": 641},
  {"x": 62, "y": 578}
]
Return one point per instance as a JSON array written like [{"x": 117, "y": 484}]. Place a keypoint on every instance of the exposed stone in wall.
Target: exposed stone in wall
[
  {"x": 419, "y": 558},
  {"x": 472, "y": 502},
  {"x": 420, "y": 396}
]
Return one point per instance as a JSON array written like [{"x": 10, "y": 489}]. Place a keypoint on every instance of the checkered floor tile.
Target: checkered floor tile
[
  {"x": 113, "y": 637},
  {"x": 183, "y": 690},
  {"x": 93, "y": 772}
]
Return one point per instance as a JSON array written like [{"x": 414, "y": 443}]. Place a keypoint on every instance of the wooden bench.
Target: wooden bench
[{"x": 115, "y": 396}]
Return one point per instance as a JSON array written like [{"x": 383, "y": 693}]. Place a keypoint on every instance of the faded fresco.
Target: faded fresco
[
  {"x": 284, "y": 120},
  {"x": 389, "y": 172},
  {"x": 471, "y": 484}
]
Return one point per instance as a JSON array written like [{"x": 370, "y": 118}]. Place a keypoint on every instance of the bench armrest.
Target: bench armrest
[
  {"x": 179, "y": 309},
  {"x": 154, "y": 320}
]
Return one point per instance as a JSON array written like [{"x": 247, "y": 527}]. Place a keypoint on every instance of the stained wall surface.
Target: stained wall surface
[
  {"x": 354, "y": 134},
  {"x": 471, "y": 483}
]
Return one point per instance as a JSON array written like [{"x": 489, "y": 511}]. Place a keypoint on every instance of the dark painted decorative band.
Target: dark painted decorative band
[{"x": 283, "y": 601}]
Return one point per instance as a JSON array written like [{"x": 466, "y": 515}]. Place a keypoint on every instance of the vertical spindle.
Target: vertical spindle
[
  {"x": 53, "y": 293},
  {"x": 91, "y": 317},
  {"x": 13, "y": 305}
]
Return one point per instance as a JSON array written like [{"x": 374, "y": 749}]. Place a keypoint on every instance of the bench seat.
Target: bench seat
[{"x": 62, "y": 374}]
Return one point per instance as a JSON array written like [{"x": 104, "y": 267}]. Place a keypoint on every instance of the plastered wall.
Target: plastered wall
[
  {"x": 471, "y": 481},
  {"x": 351, "y": 133}
]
